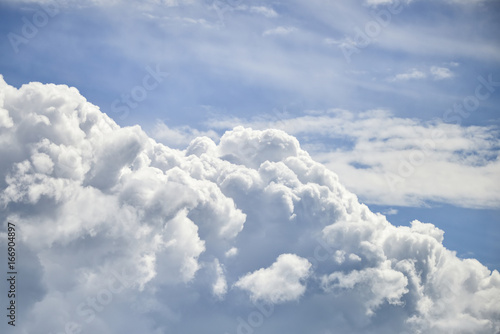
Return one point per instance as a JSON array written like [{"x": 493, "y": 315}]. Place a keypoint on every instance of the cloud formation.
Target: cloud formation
[
  {"x": 126, "y": 234},
  {"x": 281, "y": 282},
  {"x": 279, "y": 31},
  {"x": 436, "y": 72},
  {"x": 440, "y": 73},
  {"x": 412, "y": 74},
  {"x": 398, "y": 161}
]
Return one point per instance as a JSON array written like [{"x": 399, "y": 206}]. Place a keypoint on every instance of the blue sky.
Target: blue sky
[{"x": 399, "y": 98}]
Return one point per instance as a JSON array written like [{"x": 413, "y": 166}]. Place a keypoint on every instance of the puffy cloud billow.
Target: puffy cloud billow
[{"x": 118, "y": 233}]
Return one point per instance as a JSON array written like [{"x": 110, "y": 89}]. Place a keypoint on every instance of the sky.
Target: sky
[{"x": 231, "y": 166}]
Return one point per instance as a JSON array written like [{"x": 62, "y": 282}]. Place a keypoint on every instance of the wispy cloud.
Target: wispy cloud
[
  {"x": 391, "y": 212},
  {"x": 279, "y": 31},
  {"x": 386, "y": 2},
  {"x": 389, "y": 2},
  {"x": 411, "y": 74},
  {"x": 440, "y": 73},
  {"x": 435, "y": 72},
  {"x": 263, "y": 10}
]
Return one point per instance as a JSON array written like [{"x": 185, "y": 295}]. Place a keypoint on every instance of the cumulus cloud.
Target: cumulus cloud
[
  {"x": 399, "y": 161},
  {"x": 375, "y": 285},
  {"x": 125, "y": 234},
  {"x": 281, "y": 282}
]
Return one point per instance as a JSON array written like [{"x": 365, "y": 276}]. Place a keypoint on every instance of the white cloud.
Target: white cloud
[
  {"x": 167, "y": 3},
  {"x": 381, "y": 2},
  {"x": 465, "y": 2},
  {"x": 281, "y": 282},
  {"x": 179, "y": 21},
  {"x": 390, "y": 212},
  {"x": 408, "y": 278},
  {"x": 436, "y": 72},
  {"x": 232, "y": 252},
  {"x": 440, "y": 73},
  {"x": 399, "y": 161},
  {"x": 220, "y": 286},
  {"x": 124, "y": 234},
  {"x": 279, "y": 31},
  {"x": 266, "y": 11},
  {"x": 5, "y": 120},
  {"x": 332, "y": 41},
  {"x": 390, "y": 2},
  {"x": 411, "y": 74},
  {"x": 377, "y": 285}
]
